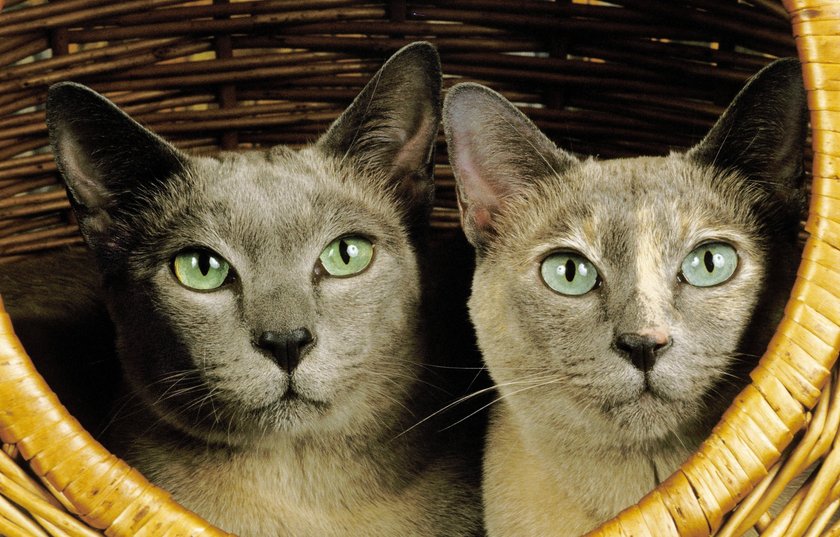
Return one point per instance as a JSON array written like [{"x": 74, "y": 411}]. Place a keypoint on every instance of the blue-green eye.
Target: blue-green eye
[
  {"x": 569, "y": 273},
  {"x": 347, "y": 256},
  {"x": 710, "y": 264},
  {"x": 200, "y": 269}
]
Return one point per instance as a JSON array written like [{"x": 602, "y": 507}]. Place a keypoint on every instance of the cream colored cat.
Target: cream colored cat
[{"x": 619, "y": 304}]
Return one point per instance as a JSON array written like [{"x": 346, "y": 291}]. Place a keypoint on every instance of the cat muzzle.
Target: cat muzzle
[
  {"x": 286, "y": 348},
  {"x": 641, "y": 350}
]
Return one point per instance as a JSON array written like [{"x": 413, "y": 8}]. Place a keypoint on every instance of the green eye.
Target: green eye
[
  {"x": 569, "y": 273},
  {"x": 710, "y": 264},
  {"x": 201, "y": 270},
  {"x": 347, "y": 256}
]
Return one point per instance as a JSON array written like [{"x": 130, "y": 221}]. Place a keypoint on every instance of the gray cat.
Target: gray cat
[
  {"x": 619, "y": 304},
  {"x": 268, "y": 313}
]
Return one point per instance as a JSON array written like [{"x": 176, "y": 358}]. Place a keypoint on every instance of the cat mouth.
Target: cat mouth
[
  {"x": 294, "y": 397},
  {"x": 651, "y": 391},
  {"x": 290, "y": 401},
  {"x": 648, "y": 395}
]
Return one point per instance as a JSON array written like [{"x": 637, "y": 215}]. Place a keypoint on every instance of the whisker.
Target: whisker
[
  {"x": 412, "y": 378},
  {"x": 553, "y": 381},
  {"x": 462, "y": 400}
]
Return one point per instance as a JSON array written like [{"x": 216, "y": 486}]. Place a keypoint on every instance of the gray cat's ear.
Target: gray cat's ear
[
  {"x": 496, "y": 153},
  {"x": 762, "y": 133},
  {"x": 106, "y": 158},
  {"x": 391, "y": 126}
]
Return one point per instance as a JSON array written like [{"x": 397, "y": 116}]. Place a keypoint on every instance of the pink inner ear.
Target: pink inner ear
[
  {"x": 482, "y": 218},
  {"x": 480, "y": 199},
  {"x": 81, "y": 175},
  {"x": 414, "y": 152}
]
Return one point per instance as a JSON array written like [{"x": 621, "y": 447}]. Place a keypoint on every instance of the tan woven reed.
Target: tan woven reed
[{"x": 638, "y": 76}]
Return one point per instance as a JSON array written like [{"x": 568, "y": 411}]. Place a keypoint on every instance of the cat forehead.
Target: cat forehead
[
  {"x": 643, "y": 179},
  {"x": 284, "y": 174},
  {"x": 280, "y": 198},
  {"x": 606, "y": 206}
]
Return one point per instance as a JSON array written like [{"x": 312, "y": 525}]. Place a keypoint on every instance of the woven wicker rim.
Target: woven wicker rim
[{"x": 762, "y": 421}]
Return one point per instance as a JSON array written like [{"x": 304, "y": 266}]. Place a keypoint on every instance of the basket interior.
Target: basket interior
[{"x": 625, "y": 78}]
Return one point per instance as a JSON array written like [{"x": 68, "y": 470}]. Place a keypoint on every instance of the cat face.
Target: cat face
[
  {"x": 262, "y": 291},
  {"x": 628, "y": 297}
]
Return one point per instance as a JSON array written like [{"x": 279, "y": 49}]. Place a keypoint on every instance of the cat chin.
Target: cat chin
[
  {"x": 234, "y": 425},
  {"x": 294, "y": 412},
  {"x": 648, "y": 417}
]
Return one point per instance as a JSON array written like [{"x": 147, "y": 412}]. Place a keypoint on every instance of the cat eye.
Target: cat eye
[
  {"x": 347, "y": 256},
  {"x": 201, "y": 270},
  {"x": 569, "y": 273},
  {"x": 709, "y": 264}
]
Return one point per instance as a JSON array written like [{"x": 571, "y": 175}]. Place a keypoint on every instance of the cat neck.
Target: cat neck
[
  {"x": 579, "y": 439},
  {"x": 309, "y": 484},
  {"x": 599, "y": 477},
  {"x": 297, "y": 457}
]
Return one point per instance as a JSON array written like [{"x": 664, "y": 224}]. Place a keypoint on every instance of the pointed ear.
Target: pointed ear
[
  {"x": 391, "y": 126},
  {"x": 496, "y": 152},
  {"x": 762, "y": 133},
  {"x": 105, "y": 157}
]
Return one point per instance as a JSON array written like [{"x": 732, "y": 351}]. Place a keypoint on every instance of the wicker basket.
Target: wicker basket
[{"x": 629, "y": 77}]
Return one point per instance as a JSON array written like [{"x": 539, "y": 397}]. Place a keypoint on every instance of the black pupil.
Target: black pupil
[
  {"x": 708, "y": 260},
  {"x": 342, "y": 251},
  {"x": 204, "y": 263},
  {"x": 570, "y": 270}
]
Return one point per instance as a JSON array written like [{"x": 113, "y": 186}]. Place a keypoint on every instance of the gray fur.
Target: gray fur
[
  {"x": 207, "y": 414},
  {"x": 579, "y": 433}
]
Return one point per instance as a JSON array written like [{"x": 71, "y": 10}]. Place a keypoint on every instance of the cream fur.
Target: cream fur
[{"x": 604, "y": 393}]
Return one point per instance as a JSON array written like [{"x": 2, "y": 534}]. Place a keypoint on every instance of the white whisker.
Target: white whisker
[{"x": 504, "y": 396}]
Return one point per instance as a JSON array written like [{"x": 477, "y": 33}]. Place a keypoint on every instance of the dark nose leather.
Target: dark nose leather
[
  {"x": 640, "y": 350},
  {"x": 285, "y": 347}
]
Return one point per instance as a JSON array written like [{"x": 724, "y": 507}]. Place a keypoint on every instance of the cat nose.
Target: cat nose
[
  {"x": 641, "y": 349},
  {"x": 285, "y": 347}
]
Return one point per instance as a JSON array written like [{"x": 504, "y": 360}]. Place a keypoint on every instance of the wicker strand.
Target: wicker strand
[
  {"x": 94, "y": 10},
  {"x": 221, "y": 10},
  {"x": 129, "y": 60},
  {"x": 816, "y": 442},
  {"x": 22, "y": 49},
  {"x": 207, "y": 27}
]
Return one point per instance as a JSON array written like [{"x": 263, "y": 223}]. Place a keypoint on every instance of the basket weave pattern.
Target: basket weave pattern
[{"x": 638, "y": 76}]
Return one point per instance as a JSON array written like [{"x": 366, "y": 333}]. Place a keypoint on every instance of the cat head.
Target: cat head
[
  {"x": 626, "y": 296},
  {"x": 268, "y": 290}
]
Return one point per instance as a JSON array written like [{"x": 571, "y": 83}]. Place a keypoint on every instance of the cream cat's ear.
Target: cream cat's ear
[
  {"x": 105, "y": 157},
  {"x": 762, "y": 133},
  {"x": 391, "y": 126},
  {"x": 496, "y": 152}
]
